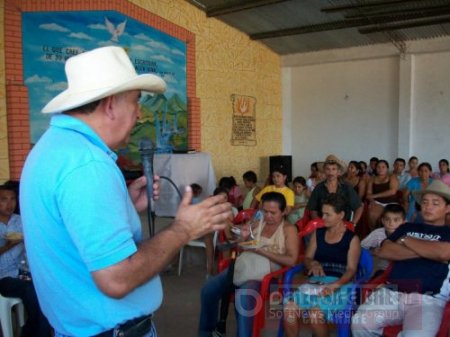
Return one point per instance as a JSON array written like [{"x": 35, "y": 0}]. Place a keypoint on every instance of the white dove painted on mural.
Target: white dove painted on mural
[{"x": 115, "y": 31}]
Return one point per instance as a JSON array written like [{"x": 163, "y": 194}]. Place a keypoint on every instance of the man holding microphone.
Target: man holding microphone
[{"x": 93, "y": 272}]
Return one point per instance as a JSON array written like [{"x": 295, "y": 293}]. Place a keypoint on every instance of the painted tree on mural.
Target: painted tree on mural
[{"x": 162, "y": 119}]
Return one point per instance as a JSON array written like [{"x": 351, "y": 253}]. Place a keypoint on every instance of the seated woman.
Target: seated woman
[
  {"x": 413, "y": 170},
  {"x": 279, "y": 178},
  {"x": 235, "y": 197},
  {"x": 381, "y": 190},
  {"x": 364, "y": 174},
  {"x": 444, "y": 171},
  {"x": 354, "y": 177},
  {"x": 278, "y": 247},
  {"x": 315, "y": 177},
  {"x": 250, "y": 181},
  {"x": 301, "y": 200},
  {"x": 331, "y": 260},
  {"x": 417, "y": 183}
]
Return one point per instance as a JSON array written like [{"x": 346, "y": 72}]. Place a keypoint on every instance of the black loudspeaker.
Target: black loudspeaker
[{"x": 283, "y": 161}]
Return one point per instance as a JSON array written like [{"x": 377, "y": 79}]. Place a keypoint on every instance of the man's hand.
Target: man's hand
[
  {"x": 194, "y": 221},
  {"x": 154, "y": 254},
  {"x": 138, "y": 192}
]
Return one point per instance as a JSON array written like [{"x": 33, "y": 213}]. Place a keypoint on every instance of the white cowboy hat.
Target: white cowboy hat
[
  {"x": 436, "y": 187},
  {"x": 100, "y": 73}
]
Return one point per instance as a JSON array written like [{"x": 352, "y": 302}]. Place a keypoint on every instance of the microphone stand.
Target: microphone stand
[
  {"x": 147, "y": 153},
  {"x": 150, "y": 214}
]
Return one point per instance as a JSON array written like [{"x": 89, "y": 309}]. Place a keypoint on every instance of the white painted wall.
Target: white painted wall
[
  {"x": 369, "y": 101},
  {"x": 431, "y": 114}
]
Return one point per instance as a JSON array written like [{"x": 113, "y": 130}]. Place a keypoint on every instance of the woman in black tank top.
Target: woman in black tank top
[
  {"x": 331, "y": 260},
  {"x": 381, "y": 190}
]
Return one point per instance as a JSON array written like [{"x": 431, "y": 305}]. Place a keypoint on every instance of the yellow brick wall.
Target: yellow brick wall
[
  {"x": 4, "y": 162},
  {"x": 227, "y": 63}
]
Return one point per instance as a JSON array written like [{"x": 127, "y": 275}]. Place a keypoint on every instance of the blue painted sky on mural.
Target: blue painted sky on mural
[{"x": 49, "y": 38}]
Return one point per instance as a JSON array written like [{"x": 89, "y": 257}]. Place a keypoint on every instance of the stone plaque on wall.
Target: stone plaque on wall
[{"x": 244, "y": 120}]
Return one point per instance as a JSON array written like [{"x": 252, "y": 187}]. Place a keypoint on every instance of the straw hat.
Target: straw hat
[
  {"x": 436, "y": 187},
  {"x": 332, "y": 159},
  {"x": 100, "y": 73}
]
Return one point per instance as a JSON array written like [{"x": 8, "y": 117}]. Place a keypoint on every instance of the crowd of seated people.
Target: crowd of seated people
[
  {"x": 410, "y": 194},
  {"x": 373, "y": 186}
]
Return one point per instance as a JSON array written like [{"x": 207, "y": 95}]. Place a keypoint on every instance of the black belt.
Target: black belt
[{"x": 137, "y": 327}]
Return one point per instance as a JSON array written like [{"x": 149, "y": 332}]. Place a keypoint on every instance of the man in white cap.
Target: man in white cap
[
  {"x": 93, "y": 273},
  {"x": 417, "y": 288}
]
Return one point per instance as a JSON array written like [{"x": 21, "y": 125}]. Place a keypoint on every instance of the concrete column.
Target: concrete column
[
  {"x": 406, "y": 105},
  {"x": 286, "y": 83}
]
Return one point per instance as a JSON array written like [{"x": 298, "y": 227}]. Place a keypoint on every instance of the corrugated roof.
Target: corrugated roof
[{"x": 296, "y": 26}]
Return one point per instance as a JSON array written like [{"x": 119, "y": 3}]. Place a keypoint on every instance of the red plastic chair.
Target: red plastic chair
[
  {"x": 244, "y": 216},
  {"x": 393, "y": 331},
  {"x": 240, "y": 218},
  {"x": 303, "y": 220}
]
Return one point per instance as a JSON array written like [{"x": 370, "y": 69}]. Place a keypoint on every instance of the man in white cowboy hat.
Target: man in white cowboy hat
[
  {"x": 418, "y": 286},
  {"x": 92, "y": 271},
  {"x": 334, "y": 168}
]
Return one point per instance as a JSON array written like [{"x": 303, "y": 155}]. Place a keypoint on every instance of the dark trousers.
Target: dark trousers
[{"x": 36, "y": 324}]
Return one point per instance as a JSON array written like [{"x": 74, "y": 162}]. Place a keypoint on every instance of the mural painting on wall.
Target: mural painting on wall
[
  {"x": 50, "y": 38},
  {"x": 244, "y": 120}
]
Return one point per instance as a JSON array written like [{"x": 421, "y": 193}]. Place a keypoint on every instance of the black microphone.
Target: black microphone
[{"x": 146, "y": 150}]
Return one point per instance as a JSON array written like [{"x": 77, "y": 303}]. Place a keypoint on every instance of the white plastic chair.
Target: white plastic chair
[
  {"x": 6, "y": 305},
  {"x": 195, "y": 243}
]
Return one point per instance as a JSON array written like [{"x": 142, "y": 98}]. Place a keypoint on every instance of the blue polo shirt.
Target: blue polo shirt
[{"x": 78, "y": 218}]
